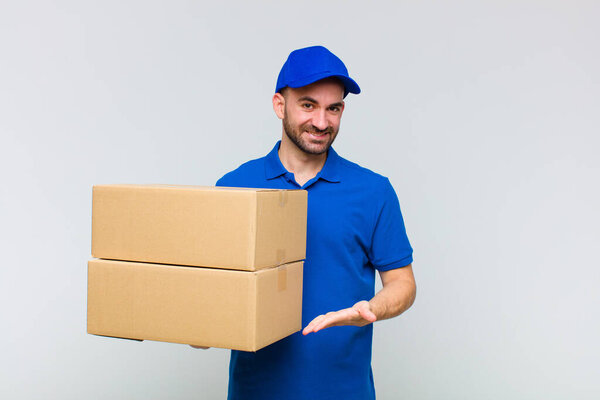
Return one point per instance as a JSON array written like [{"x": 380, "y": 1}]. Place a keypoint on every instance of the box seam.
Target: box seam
[
  {"x": 253, "y": 312},
  {"x": 254, "y": 239}
]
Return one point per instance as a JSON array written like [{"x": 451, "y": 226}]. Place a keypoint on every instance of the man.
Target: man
[{"x": 354, "y": 227}]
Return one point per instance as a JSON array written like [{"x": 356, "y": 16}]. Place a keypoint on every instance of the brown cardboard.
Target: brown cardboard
[
  {"x": 230, "y": 309},
  {"x": 235, "y": 228}
]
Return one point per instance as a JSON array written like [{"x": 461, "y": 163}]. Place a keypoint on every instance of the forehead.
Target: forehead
[{"x": 328, "y": 90}]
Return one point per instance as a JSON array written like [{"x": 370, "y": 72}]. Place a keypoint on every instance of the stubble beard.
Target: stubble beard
[{"x": 295, "y": 135}]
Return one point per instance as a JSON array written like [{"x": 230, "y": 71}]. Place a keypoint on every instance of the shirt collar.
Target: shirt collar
[{"x": 274, "y": 168}]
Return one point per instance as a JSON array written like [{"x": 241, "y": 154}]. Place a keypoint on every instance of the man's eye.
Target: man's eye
[
  {"x": 307, "y": 105},
  {"x": 334, "y": 109}
]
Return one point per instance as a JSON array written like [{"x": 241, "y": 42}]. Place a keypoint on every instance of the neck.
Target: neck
[{"x": 303, "y": 165}]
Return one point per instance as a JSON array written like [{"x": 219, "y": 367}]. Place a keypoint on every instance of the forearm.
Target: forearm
[
  {"x": 394, "y": 298},
  {"x": 398, "y": 294}
]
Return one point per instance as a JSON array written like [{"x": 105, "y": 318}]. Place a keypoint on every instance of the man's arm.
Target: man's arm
[{"x": 397, "y": 295}]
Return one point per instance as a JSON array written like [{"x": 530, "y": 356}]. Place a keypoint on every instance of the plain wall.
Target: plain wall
[{"x": 484, "y": 115}]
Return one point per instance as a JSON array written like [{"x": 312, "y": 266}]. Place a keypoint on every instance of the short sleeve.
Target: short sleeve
[
  {"x": 221, "y": 182},
  {"x": 227, "y": 180},
  {"x": 390, "y": 247}
]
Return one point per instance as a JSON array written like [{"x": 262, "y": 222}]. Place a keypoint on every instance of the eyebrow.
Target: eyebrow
[
  {"x": 307, "y": 98},
  {"x": 310, "y": 99}
]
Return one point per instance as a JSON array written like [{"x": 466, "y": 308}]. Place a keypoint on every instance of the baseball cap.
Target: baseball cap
[{"x": 310, "y": 64}]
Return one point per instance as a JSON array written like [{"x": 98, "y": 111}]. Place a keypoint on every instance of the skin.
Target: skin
[{"x": 311, "y": 117}]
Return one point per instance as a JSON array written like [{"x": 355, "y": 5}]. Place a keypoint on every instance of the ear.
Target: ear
[{"x": 279, "y": 105}]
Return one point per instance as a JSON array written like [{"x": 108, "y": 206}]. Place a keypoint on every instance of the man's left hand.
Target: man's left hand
[{"x": 359, "y": 314}]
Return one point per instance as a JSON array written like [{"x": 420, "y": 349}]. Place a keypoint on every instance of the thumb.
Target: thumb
[{"x": 364, "y": 309}]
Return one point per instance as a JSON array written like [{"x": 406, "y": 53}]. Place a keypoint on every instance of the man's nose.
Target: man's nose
[{"x": 320, "y": 120}]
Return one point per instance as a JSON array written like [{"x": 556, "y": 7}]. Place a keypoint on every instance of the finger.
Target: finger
[
  {"x": 342, "y": 317},
  {"x": 316, "y": 324},
  {"x": 365, "y": 312},
  {"x": 312, "y": 324}
]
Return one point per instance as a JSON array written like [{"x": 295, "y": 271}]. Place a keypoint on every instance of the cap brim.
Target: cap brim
[{"x": 350, "y": 86}]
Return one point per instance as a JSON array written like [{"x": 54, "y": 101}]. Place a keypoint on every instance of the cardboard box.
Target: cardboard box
[
  {"x": 245, "y": 229},
  {"x": 201, "y": 306}
]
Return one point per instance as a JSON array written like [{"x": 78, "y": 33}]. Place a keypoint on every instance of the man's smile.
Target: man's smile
[{"x": 318, "y": 134}]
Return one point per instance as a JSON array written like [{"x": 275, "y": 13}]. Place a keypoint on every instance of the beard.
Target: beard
[{"x": 294, "y": 133}]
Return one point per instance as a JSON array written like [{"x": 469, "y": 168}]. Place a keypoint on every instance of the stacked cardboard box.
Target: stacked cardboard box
[{"x": 217, "y": 267}]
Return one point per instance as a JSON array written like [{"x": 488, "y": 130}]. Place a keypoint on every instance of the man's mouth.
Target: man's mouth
[{"x": 318, "y": 134}]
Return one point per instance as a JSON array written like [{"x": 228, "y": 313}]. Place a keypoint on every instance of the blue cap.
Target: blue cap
[{"x": 311, "y": 64}]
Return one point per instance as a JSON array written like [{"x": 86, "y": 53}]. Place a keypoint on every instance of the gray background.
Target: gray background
[{"x": 484, "y": 115}]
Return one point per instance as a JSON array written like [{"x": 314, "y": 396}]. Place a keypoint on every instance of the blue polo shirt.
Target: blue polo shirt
[{"x": 354, "y": 227}]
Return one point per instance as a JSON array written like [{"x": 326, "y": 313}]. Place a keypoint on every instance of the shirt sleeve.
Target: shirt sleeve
[
  {"x": 226, "y": 180},
  {"x": 390, "y": 247}
]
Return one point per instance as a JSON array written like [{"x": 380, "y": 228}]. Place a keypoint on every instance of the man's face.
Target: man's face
[{"x": 312, "y": 114}]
